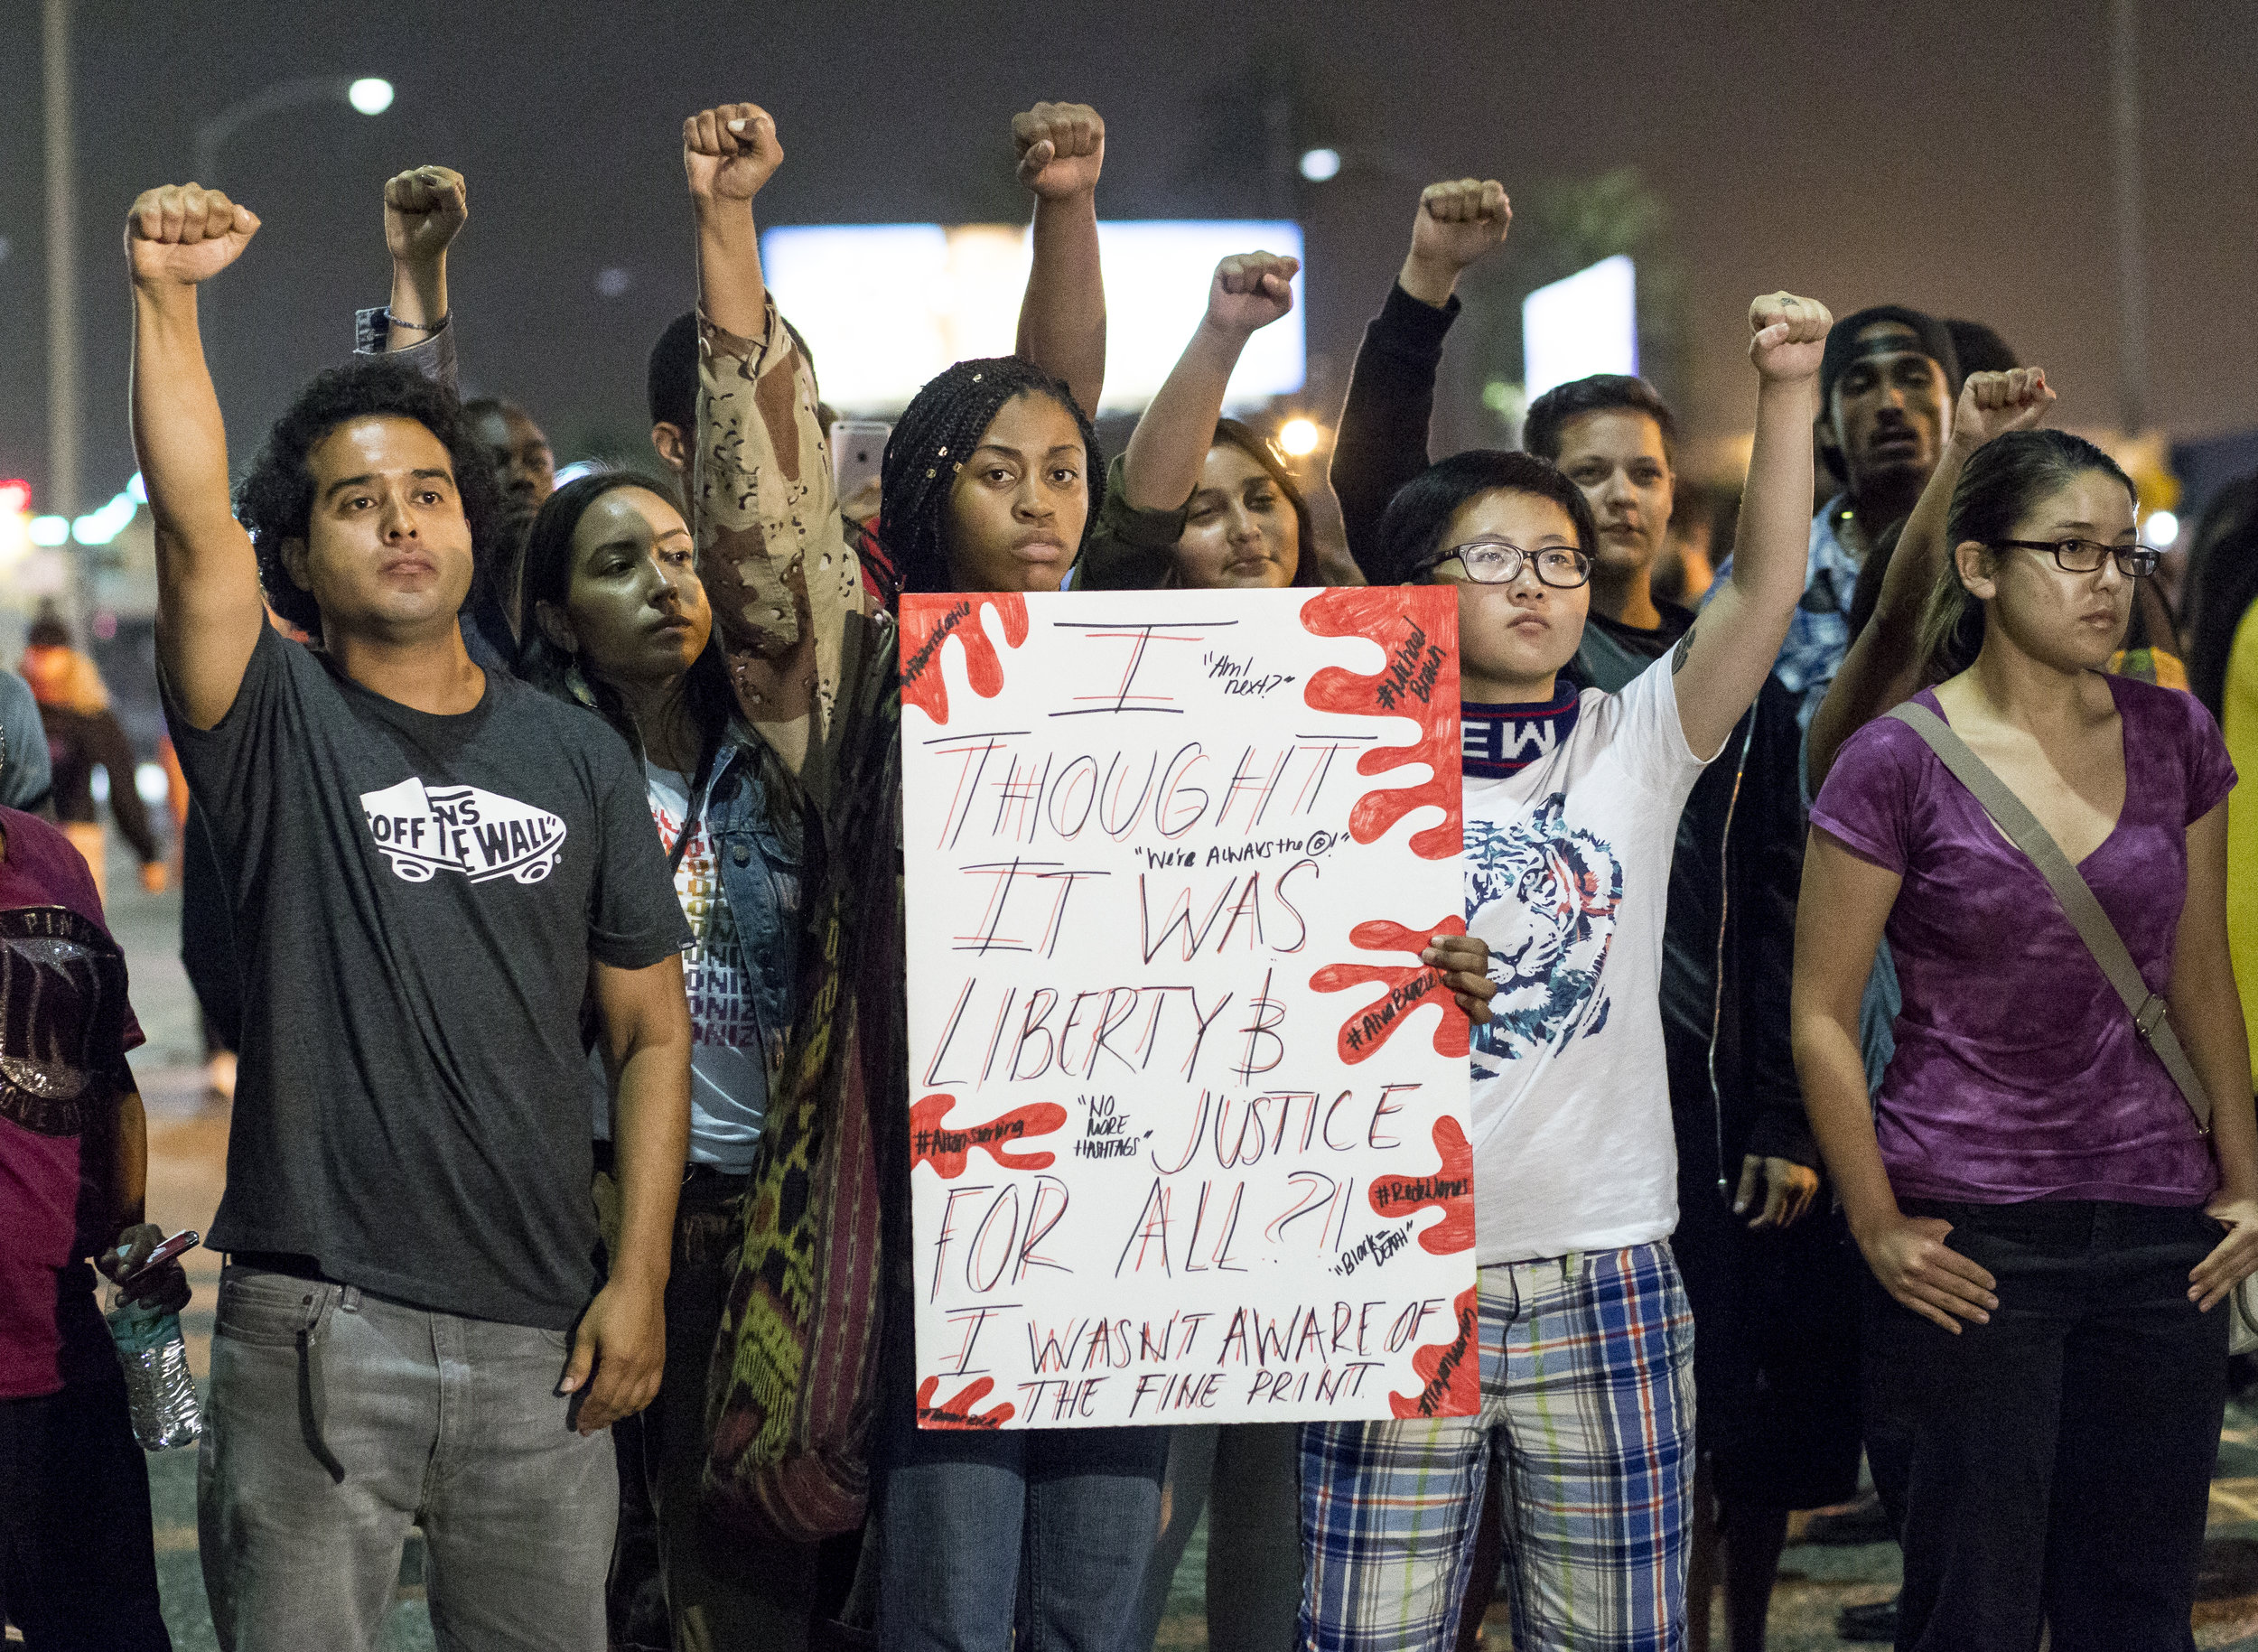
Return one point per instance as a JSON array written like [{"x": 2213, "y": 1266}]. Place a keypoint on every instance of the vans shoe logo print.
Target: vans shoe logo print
[{"x": 460, "y": 828}]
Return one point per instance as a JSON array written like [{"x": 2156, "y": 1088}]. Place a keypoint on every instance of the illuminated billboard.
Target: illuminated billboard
[
  {"x": 1587, "y": 323},
  {"x": 883, "y": 307}
]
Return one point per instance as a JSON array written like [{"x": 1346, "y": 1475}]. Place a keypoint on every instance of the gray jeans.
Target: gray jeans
[{"x": 338, "y": 1420}]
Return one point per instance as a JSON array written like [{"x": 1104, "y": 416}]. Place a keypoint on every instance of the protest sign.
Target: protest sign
[{"x": 1188, "y": 1114}]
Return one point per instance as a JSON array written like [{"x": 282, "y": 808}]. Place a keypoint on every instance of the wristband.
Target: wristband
[{"x": 391, "y": 320}]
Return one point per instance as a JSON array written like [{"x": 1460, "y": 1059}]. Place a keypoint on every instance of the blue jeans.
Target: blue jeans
[
  {"x": 972, "y": 1522},
  {"x": 338, "y": 1420}
]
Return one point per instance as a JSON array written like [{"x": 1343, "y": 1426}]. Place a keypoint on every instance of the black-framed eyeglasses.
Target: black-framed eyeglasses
[
  {"x": 2086, "y": 555},
  {"x": 1499, "y": 562}
]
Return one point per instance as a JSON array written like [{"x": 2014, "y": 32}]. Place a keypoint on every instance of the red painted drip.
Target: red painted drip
[
  {"x": 1451, "y": 1372},
  {"x": 1419, "y": 627},
  {"x": 947, "y": 1151},
  {"x": 929, "y": 619},
  {"x": 956, "y": 1411},
  {"x": 1408, "y": 988},
  {"x": 1450, "y": 1188}
]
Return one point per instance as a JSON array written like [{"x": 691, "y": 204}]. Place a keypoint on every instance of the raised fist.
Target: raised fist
[
  {"x": 1459, "y": 221},
  {"x": 1061, "y": 148},
  {"x": 1992, "y": 404},
  {"x": 1251, "y": 290},
  {"x": 1789, "y": 334},
  {"x": 424, "y": 207},
  {"x": 184, "y": 233},
  {"x": 728, "y": 152}
]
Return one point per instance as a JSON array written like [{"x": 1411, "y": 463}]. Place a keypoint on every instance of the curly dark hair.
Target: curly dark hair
[
  {"x": 275, "y": 502},
  {"x": 943, "y": 423}
]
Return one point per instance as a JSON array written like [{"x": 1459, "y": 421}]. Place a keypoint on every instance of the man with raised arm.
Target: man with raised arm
[{"x": 430, "y": 868}]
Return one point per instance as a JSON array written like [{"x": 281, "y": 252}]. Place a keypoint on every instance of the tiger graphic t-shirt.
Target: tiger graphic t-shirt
[{"x": 1568, "y": 879}]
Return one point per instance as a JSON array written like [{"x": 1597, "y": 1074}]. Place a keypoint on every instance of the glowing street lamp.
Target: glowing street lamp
[{"x": 366, "y": 93}]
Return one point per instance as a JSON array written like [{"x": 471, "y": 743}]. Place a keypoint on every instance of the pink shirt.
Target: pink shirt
[{"x": 64, "y": 1024}]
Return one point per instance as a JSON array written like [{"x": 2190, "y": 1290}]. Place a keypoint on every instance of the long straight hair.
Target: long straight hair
[
  {"x": 548, "y": 578},
  {"x": 2002, "y": 483}
]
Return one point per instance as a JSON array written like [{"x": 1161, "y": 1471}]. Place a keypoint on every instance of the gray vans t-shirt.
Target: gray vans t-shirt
[{"x": 417, "y": 900}]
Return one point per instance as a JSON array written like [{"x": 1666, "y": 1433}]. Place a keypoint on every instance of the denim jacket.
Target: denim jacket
[{"x": 762, "y": 879}]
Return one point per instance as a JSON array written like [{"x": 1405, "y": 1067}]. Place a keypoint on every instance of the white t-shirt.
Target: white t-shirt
[
  {"x": 728, "y": 1084},
  {"x": 1568, "y": 879}
]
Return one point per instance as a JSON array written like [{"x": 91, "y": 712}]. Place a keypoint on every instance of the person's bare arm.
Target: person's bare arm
[
  {"x": 1883, "y": 666},
  {"x": 1162, "y": 466},
  {"x": 2207, "y": 1012},
  {"x": 1722, "y": 661},
  {"x": 134, "y": 1236},
  {"x": 209, "y": 608},
  {"x": 425, "y": 209},
  {"x": 621, "y": 1342},
  {"x": 129, "y": 1159},
  {"x": 1062, "y": 319},
  {"x": 1845, "y": 902}
]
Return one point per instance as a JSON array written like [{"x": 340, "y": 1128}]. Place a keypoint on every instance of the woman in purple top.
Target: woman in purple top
[{"x": 2050, "y": 1234}]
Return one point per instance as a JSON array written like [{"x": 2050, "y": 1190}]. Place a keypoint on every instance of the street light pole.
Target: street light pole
[
  {"x": 62, "y": 269},
  {"x": 2124, "y": 17}
]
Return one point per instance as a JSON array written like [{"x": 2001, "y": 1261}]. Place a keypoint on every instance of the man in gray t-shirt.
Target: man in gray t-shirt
[{"x": 431, "y": 871}]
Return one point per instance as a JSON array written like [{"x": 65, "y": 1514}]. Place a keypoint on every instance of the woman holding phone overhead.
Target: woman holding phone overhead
[{"x": 2051, "y": 1232}]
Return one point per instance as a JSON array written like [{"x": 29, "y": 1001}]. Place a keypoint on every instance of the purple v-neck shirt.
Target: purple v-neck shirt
[{"x": 2018, "y": 1073}]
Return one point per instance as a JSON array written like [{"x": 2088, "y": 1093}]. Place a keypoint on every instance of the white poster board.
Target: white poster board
[{"x": 1187, "y": 1114}]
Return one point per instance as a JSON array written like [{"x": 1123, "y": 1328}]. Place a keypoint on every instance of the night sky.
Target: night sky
[{"x": 1950, "y": 153}]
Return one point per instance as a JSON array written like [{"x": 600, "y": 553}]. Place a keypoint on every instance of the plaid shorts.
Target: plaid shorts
[{"x": 1588, "y": 1415}]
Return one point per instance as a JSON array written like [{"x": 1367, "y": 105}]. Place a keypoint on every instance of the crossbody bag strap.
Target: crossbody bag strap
[
  {"x": 2152, "y": 1017},
  {"x": 701, "y": 783}
]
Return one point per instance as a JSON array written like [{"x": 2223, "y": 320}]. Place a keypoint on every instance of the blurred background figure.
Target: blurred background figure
[
  {"x": 2222, "y": 672},
  {"x": 83, "y": 735},
  {"x": 1702, "y": 516}
]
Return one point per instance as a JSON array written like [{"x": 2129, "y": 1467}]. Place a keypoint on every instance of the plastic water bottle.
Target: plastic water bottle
[{"x": 160, "y": 1393}]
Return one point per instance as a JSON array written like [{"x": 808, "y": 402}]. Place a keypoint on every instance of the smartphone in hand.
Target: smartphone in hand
[
  {"x": 171, "y": 1250},
  {"x": 858, "y": 448}
]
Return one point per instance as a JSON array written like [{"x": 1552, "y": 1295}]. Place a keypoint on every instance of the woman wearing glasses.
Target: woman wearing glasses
[
  {"x": 2050, "y": 1233},
  {"x": 1572, "y": 800}
]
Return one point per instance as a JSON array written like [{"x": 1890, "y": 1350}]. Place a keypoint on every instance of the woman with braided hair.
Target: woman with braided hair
[
  {"x": 986, "y": 486},
  {"x": 986, "y": 480}
]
